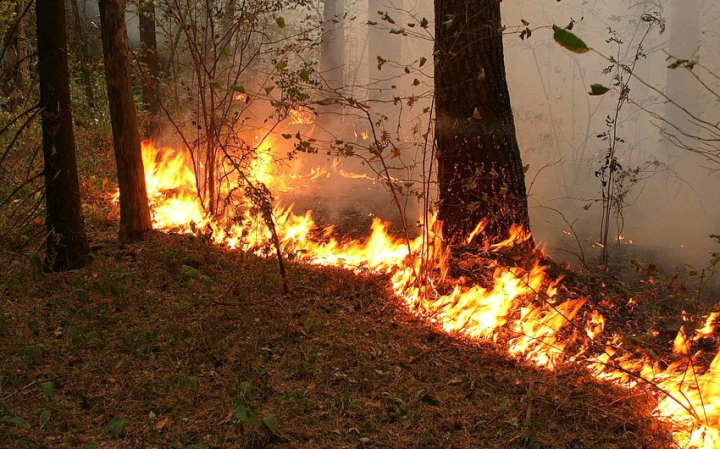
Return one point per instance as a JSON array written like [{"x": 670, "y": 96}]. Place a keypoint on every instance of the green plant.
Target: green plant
[
  {"x": 245, "y": 409},
  {"x": 116, "y": 428}
]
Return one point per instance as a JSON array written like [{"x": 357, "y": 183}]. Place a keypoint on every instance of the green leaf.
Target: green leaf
[
  {"x": 569, "y": 41},
  {"x": 240, "y": 89},
  {"x": 423, "y": 60},
  {"x": 270, "y": 421},
  {"x": 214, "y": 85},
  {"x": 325, "y": 102},
  {"x": 269, "y": 89},
  {"x": 304, "y": 75},
  {"x": 44, "y": 418},
  {"x": 197, "y": 446},
  {"x": 49, "y": 389},
  {"x": 280, "y": 22},
  {"x": 115, "y": 428},
  {"x": 245, "y": 415},
  {"x": 194, "y": 273},
  {"x": 190, "y": 272},
  {"x": 92, "y": 445},
  {"x": 598, "y": 89},
  {"x": 281, "y": 65},
  {"x": 18, "y": 421}
]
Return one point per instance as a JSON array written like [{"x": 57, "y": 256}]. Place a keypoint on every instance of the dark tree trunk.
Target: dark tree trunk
[
  {"x": 151, "y": 66},
  {"x": 67, "y": 245},
  {"x": 82, "y": 54},
  {"x": 134, "y": 209},
  {"x": 480, "y": 173}
]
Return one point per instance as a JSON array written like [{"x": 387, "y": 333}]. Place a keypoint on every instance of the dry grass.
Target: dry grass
[{"x": 177, "y": 338}]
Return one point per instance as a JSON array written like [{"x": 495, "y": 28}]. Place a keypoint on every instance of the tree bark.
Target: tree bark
[
  {"x": 480, "y": 173},
  {"x": 67, "y": 245},
  {"x": 134, "y": 210},
  {"x": 151, "y": 66},
  {"x": 82, "y": 54}
]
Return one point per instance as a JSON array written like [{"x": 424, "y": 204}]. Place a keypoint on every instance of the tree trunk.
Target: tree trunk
[
  {"x": 684, "y": 43},
  {"x": 333, "y": 44},
  {"x": 480, "y": 173},
  {"x": 14, "y": 75},
  {"x": 151, "y": 66},
  {"x": 386, "y": 46},
  {"x": 384, "y": 76},
  {"x": 82, "y": 54},
  {"x": 228, "y": 24},
  {"x": 67, "y": 245},
  {"x": 134, "y": 210}
]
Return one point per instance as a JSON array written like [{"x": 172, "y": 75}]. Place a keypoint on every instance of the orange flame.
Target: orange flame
[
  {"x": 301, "y": 116},
  {"x": 512, "y": 310}
]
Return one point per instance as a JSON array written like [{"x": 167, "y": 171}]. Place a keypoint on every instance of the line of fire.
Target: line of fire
[{"x": 508, "y": 172}]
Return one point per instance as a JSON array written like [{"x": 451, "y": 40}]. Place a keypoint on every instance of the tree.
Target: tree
[
  {"x": 14, "y": 65},
  {"x": 333, "y": 43},
  {"x": 684, "y": 43},
  {"x": 82, "y": 54},
  {"x": 480, "y": 173},
  {"x": 148, "y": 57},
  {"x": 67, "y": 245},
  {"x": 134, "y": 210},
  {"x": 384, "y": 58}
]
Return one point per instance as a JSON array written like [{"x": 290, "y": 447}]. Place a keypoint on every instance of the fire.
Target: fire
[
  {"x": 362, "y": 135},
  {"x": 519, "y": 309},
  {"x": 301, "y": 116}
]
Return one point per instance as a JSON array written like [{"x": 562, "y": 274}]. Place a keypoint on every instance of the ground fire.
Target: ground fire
[{"x": 520, "y": 310}]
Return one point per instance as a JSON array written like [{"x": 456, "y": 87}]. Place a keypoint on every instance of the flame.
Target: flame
[
  {"x": 519, "y": 309},
  {"x": 301, "y": 116},
  {"x": 363, "y": 135}
]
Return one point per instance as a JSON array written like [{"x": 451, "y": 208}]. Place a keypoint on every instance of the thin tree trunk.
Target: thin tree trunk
[
  {"x": 480, "y": 173},
  {"x": 23, "y": 62},
  {"x": 82, "y": 54},
  {"x": 150, "y": 64},
  {"x": 228, "y": 24},
  {"x": 134, "y": 210},
  {"x": 333, "y": 43},
  {"x": 386, "y": 46},
  {"x": 384, "y": 75},
  {"x": 67, "y": 245},
  {"x": 684, "y": 43},
  {"x": 14, "y": 75}
]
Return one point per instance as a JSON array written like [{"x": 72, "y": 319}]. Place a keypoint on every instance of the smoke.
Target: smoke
[
  {"x": 670, "y": 206},
  {"x": 669, "y": 201}
]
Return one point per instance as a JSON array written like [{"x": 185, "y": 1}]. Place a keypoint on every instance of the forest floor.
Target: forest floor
[{"x": 174, "y": 342}]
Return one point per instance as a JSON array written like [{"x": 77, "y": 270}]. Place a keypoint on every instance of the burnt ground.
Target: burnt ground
[{"x": 176, "y": 343}]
